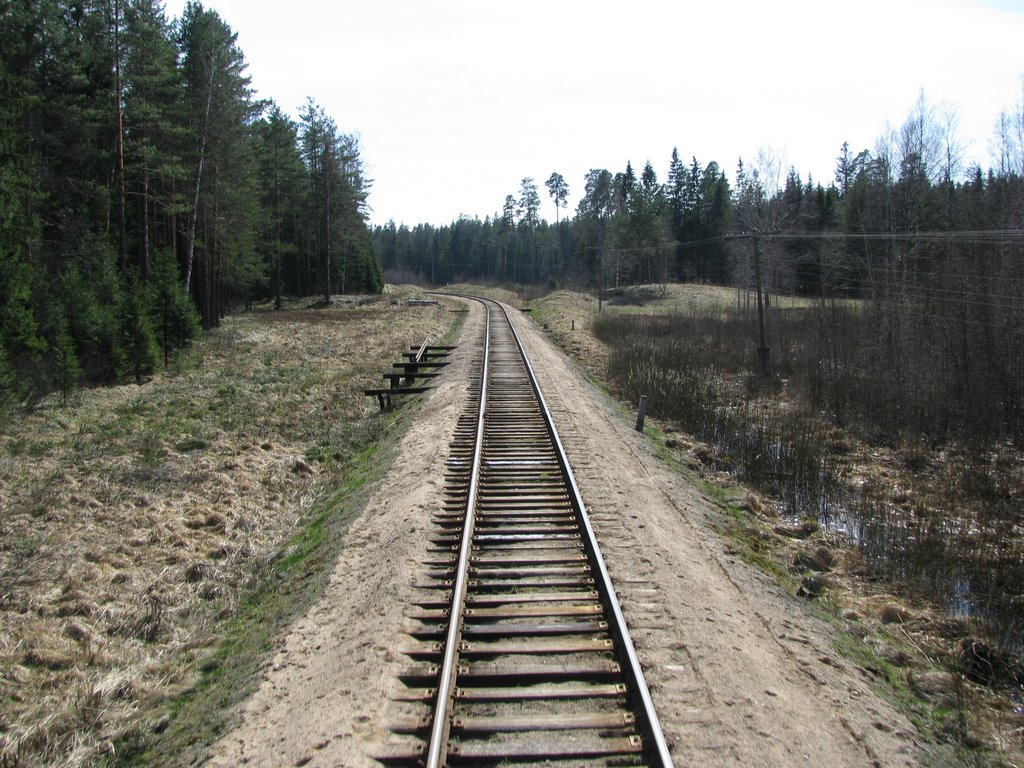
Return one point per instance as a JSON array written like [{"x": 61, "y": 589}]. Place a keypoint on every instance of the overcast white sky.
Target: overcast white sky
[{"x": 456, "y": 101}]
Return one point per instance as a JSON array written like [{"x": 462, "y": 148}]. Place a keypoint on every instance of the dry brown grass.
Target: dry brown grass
[
  {"x": 131, "y": 519},
  {"x": 897, "y": 634}
]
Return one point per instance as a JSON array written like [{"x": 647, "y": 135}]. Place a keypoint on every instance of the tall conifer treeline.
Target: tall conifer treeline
[
  {"x": 630, "y": 228},
  {"x": 144, "y": 192},
  {"x": 933, "y": 251}
]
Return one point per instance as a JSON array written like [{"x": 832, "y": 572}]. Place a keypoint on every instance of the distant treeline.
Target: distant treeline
[
  {"x": 144, "y": 191},
  {"x": 629, "y": 229}
]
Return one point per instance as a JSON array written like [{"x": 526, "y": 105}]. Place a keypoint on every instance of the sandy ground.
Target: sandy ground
[{"x": 739, "y": 672}]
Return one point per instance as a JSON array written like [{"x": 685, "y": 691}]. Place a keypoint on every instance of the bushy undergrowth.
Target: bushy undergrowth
[
  {"x": 896, "y": 369},
  {"x": 967, "y": 553},
  {"x": 694, "y": 370},
  {"x": 890, "y": 375}
]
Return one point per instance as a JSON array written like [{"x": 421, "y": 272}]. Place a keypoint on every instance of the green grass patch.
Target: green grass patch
[
  {"x": 191, "y": 443},
  {"x": 945, "y": 726},
  {"x": 40, "y": 448}
]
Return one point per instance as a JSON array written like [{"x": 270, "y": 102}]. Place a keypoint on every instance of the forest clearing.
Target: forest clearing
[
  {"x": 208, "y": 530},
  {"x": 139, "y": 522}
]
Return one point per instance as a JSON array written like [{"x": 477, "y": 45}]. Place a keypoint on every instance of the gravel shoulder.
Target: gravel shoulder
[{"x": 740, "y": 672}]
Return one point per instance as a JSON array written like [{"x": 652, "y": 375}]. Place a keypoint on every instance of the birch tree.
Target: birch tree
[{"x": 220, "y": 105}]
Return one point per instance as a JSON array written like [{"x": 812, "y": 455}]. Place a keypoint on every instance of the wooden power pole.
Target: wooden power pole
[{"x": 764, "y": 353}]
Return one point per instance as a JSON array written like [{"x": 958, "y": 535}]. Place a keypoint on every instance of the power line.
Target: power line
[{"x": 978, "y": 236}]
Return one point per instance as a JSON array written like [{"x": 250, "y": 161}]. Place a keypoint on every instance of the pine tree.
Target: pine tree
[
  {"x": 337, "y": 195},
  {"x": 155, "y": 129},
  {"x": 281, "y": 174},
  {"x": 593, "y": 217},
  {"x": 558, "y": 190},
  {"x": 527, "y": 209}
]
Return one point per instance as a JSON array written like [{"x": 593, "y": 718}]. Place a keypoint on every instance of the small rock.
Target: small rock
[
  {"x": 893, "y": 614},
  {"x": 821, "y": 560},
  {"x": 300, "y": 467},
  {"x": 811, "y": 587},
  {"x": 801, "y": 530},
  {"x": 753, "y": 504}
]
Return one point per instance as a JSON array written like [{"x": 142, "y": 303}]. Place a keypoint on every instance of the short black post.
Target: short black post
[{"x": 641, "y": 413}]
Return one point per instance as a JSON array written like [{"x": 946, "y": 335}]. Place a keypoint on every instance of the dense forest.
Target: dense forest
[
  {"x": 145, "y": 192},
  {"x": 909, "y": 201}
]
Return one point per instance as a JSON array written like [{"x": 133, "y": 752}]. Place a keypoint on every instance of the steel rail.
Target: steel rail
[
  {"x": 437, "y": 748},
  {"x": 638, "y": 685},
  {"x": 523, "y": 439}
]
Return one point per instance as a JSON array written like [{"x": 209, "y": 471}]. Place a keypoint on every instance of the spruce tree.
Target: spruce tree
[
  {"x": 66, "y": 372},
  {"x": 337, "y": 200},
  {"x": 137, "y": 349},
  {"x": 173, "y": 315}
]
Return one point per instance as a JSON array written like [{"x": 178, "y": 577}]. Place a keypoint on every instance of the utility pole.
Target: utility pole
[{"x": 764, "y": 353}]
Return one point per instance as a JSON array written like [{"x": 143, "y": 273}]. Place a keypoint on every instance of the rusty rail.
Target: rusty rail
[{"x": 528, "y": 655}]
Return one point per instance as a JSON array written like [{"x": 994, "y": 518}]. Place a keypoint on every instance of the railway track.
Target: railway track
[{"x": 521, "y": 651}]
